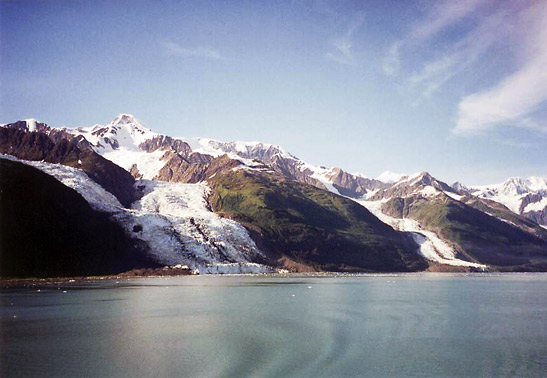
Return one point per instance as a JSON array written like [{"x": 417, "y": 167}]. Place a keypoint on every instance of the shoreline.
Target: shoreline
[{"x": 19, "y": 283}]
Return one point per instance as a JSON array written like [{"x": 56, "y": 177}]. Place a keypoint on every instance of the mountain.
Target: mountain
[
  {"x": 224, "y": 207},
  {"x": 35, "y": 145},
  {"x": 527, "y": 197},
  {"x": 457, "y": 229},
  {"x": 48, "y": 229},
  {"x": 311, "y": 227}
]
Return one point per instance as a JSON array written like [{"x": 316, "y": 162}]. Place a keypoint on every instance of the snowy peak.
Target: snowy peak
[
  {"x": 459, "y": 188},
  {"x": 390, "y": 177},
  {"x": 419, "y": 184},
  {"x": 422, "y": 179},
  {"x": 519, "y": 195},
  {"x": 125, "y": 119},
  {"x": 250, "y": 150},
  {"x": 124, "y": 132},
  {"x": 514, "y": 186}
]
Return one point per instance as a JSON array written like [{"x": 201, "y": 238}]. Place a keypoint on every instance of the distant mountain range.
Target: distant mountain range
[{"x": 109, "y": 198}]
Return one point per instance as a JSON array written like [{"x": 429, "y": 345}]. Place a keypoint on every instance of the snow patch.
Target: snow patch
[
  {"x": 93, "y": 193},
  {"x": 31, "y": 124},
  {"x": 455, "y": 196},
  {"x": 149, "y": 164},
  {"x": 428, "y": 191},
  {"x": 536, "y": 206},
  {"x": 432, "y": 247}
]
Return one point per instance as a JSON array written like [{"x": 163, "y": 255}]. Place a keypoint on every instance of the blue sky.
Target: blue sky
[{"x": 457, "y": 88}]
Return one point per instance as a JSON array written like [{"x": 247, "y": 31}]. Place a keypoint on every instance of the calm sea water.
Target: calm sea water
[{"x": 423, "y": 325}]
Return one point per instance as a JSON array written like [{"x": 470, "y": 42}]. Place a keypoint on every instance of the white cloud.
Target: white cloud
[
  {"x": 514, "y": 98},
  {"x": 342, "y": 51},
  {"x": 508, "y": 101},
  {"x": 174, "y": 49}
]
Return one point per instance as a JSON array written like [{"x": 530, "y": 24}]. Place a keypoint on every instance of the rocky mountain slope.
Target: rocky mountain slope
[
  {"x": 253, "y": 207},
  {"x": 312, "y": 228},
  {"x": 70, "y": 152},
  {"x": 48, "y": 229}
]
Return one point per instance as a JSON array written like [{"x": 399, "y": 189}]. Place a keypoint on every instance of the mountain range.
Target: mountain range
[{"x": 110, "y": 198}]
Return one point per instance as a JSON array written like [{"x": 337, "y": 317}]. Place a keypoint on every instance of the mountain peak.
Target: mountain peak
[
  {"x": 125, "y": 119},
  {"x": 514, "y": 185},
  {"x": 390, "y": 177}
]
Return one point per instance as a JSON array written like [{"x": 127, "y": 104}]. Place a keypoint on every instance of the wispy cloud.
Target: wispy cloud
[
  {"x": 444, "y": 14},
  {"x": 515, "y": 97},
  {"x": 342, "y": 47},
  {"x": 519, "y": 29},
  {"x": 392, "y": 62},
  {"x": 440, "y": 16},
  {"x": 174, "y": 49},
  {"x": 463, "y": 53}
]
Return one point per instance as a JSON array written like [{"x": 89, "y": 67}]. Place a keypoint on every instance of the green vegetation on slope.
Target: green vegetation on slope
[
  {"x": 312, "y": 226},
  {"x": 480, "y": 236}
]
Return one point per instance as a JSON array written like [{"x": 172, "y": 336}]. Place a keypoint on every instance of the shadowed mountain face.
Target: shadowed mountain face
[
  {"x": 48, "y": 229},
  {"x": 38, "y": 146},
  {"x": 477, "y": 235},
  {"x": 312, "y": 227}
]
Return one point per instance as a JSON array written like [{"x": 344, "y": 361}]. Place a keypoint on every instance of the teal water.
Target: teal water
[{"x": 414, "y": 325}]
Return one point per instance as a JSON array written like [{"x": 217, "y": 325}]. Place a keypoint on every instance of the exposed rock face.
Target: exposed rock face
[
  {"x": 49, "y": 230},
  {"x": 539, "y": 216},
  {"x": 295, "y": 169},
  {"x": 38, "y": 146},
  {"x": 460, "y": 188},
  {"x": 354, "y": 186},
  {"x": 411, "y": 186},
  {"x": 291, "y": 169},
  {"x": 165, "y": 142},
  {"x": 530, "y": 198},
  {"x": 195, "y": 168}
]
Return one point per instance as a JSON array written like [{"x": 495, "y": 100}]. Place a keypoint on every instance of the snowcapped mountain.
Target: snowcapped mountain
[
  {"x": 124, "y": 132},
  {"x": 390, "y": 177},
  {"x": 333, "y": 179},
  {"x": 251, "y": 206},
  {"x": 527, "y": 197},
  {"x": 149, "y": 155},
  {"x": 418, "y": 187},
  {"x": 421, "y": 183}
]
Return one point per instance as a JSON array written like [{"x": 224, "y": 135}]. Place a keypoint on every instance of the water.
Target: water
[{"x": 419, "y": 325}]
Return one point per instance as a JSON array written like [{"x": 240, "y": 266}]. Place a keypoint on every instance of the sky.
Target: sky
[{"x": 455, "y": 88}]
